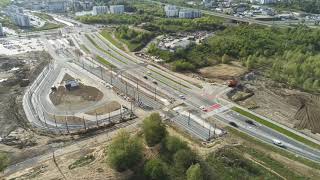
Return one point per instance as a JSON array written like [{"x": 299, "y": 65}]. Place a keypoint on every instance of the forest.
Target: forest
[{"x": 288, "y": 55}]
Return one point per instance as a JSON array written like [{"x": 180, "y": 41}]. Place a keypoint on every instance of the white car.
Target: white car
[
  {"x": 278, "y": 143},
  {"x": 182, "y": 96}
]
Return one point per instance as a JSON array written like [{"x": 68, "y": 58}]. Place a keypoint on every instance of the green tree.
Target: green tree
[
  {"x": 156, "y": 169},
  {"x": 124, "y": 152},
  {"x": 308, "y": 84},
  {"x": 153, "y": 129},
  {"x": 194, "y": 172},
  {"x": 173, "y": 144},
  {"x": 225, "y": 59},
  {"x": 250, "y": 62},
  {"x": 184, "y": 158},
  {"x": 316, "y": 85},
  {"x": 3, "y": 161}
]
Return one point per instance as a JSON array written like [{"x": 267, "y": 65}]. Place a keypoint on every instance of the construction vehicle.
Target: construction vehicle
[{"x": 232, "y": 83}]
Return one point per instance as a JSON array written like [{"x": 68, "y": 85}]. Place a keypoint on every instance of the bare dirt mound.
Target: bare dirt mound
[
  {"x": 223, "y": 71},
  {"x": 107, "y": 108},
  {"x": 80, "y": 95},
  {"x": 309, "y": 114}
]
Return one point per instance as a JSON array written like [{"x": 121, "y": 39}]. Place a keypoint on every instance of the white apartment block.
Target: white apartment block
[
  {"x": 99, "y": 10},
  {"x": 117, "y": 9},
  {"x": 171, "y": 11}
]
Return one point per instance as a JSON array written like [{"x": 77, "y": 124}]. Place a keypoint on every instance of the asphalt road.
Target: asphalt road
[
  {"x": 195, "y": 100},
  {"x": 167, "y": 84}
]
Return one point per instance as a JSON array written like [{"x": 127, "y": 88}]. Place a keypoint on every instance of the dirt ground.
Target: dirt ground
[
  {"x": 223, "y": 72},
  {"x": 107, "y": 108},
  {"x": 15, "y": 73},
  {"x": 76, "y": 98},
  {"x": 290, "y": 107}
]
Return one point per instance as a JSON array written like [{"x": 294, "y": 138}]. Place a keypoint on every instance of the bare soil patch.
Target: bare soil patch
[
  {"x": 77, "y": 96},
  {"x": 308, "y": 114},
  {"x": 107, "y": 108},
  {"x": 223, "y": 71},
  {"x": 69, "y": 119}
]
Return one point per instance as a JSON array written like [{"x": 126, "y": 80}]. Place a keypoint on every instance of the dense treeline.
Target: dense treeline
[
  {"x": 309, "y": 6},
  {"x": 291, "y": 54},
  {"x": 115, "y": 19},
  {"x": 135, "y": 39},
  {"x": 173, "y": 25},
  {"x": 156, "y": 155}
]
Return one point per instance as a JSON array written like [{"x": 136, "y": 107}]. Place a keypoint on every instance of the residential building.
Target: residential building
[
  {"x": 21, "y": 20},
  {"x": 117, "y": 9},
  {"x": 171, "y": 11},
  {"x": 267, "y": 1},
  {"x": 18, "y": 17},
  {"x": 207, "y": 3},
  {"x": 57, "y": 6},
  {"x": 1, "y": 30},
  {"x": 99, "y": 10},
  {"x": 189, "y": 13},
  {"x": 86, "y": 5}
]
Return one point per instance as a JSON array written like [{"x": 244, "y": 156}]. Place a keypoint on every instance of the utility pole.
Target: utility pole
[
  {"x": 111, "y": 76},
  {"x": 84, "y": 123},
  {"x": 138, "y": 91},
  {"x": 45, "y": 121},
  {"x": 97, "y": 119},
  {"x": 189, "y": 118},
  {"x": 101, "y": 72},
  {"x": 67, "y": 127},
  {"x": 120, "y": 112},
  {"x": 126, "y": 88},
  {"x": 55, "y": 120},
  {"x": 209, "y": 132}
]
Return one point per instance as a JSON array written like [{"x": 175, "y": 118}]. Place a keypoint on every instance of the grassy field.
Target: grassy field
[
  {"x": 108, "y": 35},
  {"x": 276, "y": 128},
  {"x": 271, "y": 148}
]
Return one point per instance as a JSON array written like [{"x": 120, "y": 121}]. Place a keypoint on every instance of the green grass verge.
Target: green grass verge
[
  {"x": 276, "y": 128},
  {"x": 101, "y": 49},
  {"x": 107, "y": 35},
  {"x": 44, "y": 16},
  {"x": 271, "y": 148},
  {"x": 4, "y": 160},
  {"x": 4, "y": 3},
  {"x": 47, "y": 26},
  {"x": 105, "y": 62},
  {"x": 271, "y": 163},
  {"x": 169, "y": 78},
  {"x": 84, "y": 48}
]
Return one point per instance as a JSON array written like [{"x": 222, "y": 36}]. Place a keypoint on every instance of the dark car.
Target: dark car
[
  {"x": 145, "y": 77},
  {"x": 233, "y": 124},
  {"x": 250, "y": 122}
]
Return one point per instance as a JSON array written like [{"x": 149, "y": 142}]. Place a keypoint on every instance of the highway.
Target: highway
[
  {"x": 129, "y": 71},
  {"x": 172, "y": 86}
]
